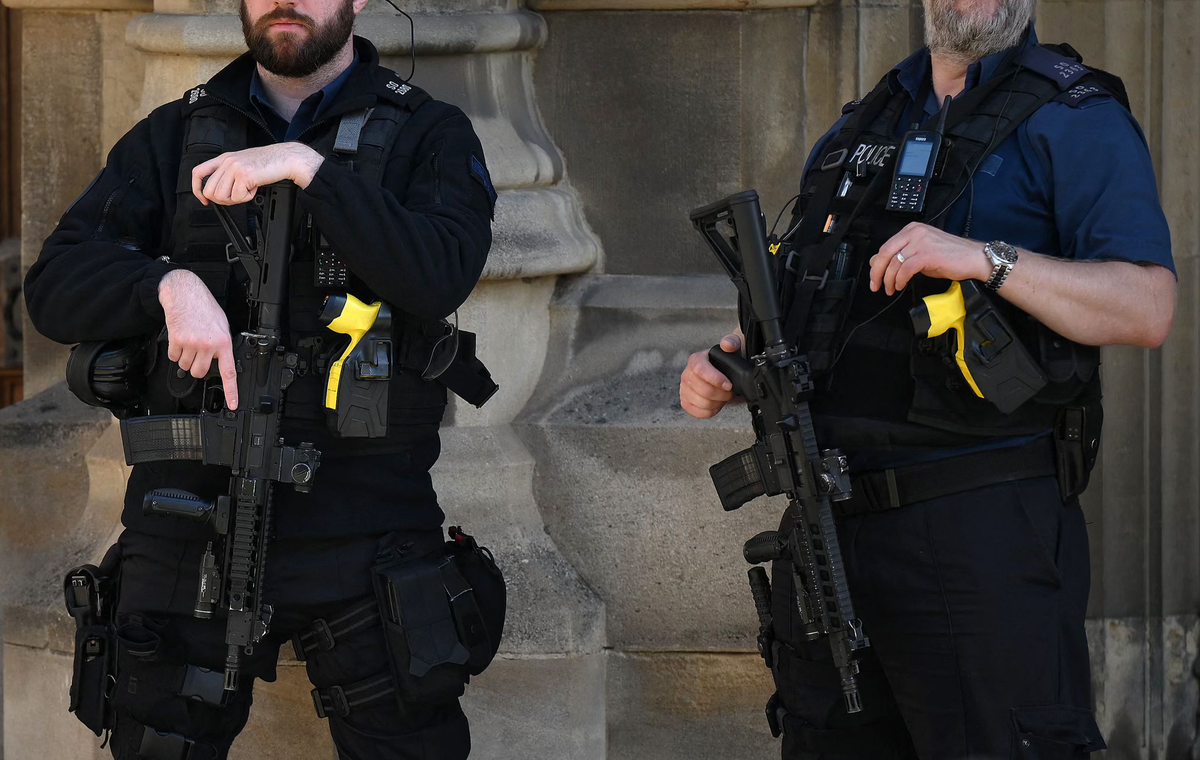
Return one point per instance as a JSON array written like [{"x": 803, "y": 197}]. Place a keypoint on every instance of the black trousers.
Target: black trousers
[
  {"x": 974, "y": 605},
  {"x": 306, "y": 579}
]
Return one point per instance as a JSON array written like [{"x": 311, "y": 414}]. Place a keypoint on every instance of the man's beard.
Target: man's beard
[
  {"x": 287, "y": 55},
  {"x": 969, "y": 37}
]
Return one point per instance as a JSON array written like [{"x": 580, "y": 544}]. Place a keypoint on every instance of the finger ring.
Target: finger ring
[{"x": 900, "y": 257}]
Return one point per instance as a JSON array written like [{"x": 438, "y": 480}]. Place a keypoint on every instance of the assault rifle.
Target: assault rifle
[
  {"x": 785, "y": 458},
  {"x": 245, "y": 440}
]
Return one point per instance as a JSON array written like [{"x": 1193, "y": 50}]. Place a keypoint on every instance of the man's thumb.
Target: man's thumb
[{"x": 731, "y": 343}]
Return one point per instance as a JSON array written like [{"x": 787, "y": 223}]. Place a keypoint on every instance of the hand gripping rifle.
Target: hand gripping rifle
[
  {"x": 245, "y": 440},
  {"x": 785, "y": 457}
]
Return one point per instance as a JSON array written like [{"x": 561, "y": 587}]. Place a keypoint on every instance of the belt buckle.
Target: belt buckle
[
  {"x": 324, "y": 636},
  {"x": 337, "y": 702}
]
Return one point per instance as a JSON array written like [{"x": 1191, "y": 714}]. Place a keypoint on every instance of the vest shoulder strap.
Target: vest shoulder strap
[{"x": 363, "y": 139}]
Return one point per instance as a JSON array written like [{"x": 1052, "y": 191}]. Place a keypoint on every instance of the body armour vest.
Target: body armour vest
[
  {"x": 360, "y": 142},
  {"x": 879, "y": 386}
]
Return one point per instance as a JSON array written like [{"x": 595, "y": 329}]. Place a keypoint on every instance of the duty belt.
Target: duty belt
[{"x": 881, "y": 490}]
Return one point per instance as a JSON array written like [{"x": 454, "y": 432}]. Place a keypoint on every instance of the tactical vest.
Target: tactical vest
[
  {"x": 878, "y": 385},
  {"x": 361, "y": 142}
]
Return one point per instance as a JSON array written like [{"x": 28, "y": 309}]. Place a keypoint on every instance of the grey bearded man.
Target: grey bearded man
[
  {"x": 963, "y": 544},
  {"x": 392, "y": 215}
]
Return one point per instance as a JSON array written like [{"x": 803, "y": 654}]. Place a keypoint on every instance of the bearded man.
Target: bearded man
[
  {"x": 394, "y": 204},
  {"x": 964, "y": 546}
]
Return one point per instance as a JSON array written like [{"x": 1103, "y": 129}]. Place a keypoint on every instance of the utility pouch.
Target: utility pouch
[
  {"x": 819, "y": 301},
  {"x": 434, "y": 620},
  {"x": 90, "y": 596},
  {"x": 1076, "y": 446}
]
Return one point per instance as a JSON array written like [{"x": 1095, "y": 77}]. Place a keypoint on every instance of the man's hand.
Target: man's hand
[
  {"x": 235, "y": 177},
  {"x": 197, "y": 330},
  {"x": 703, "y": 390},
  {"x": 930, "y": 251}
]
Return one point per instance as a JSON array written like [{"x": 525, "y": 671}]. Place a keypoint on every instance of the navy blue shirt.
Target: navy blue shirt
[
  {"x": 1073, "y": 182},
  {"x": 307, "y": 114}
]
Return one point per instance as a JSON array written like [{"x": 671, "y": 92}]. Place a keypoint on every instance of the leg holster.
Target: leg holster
[
  {"x": 442, "y": 614},
  {"x": 90, "y": 594}
]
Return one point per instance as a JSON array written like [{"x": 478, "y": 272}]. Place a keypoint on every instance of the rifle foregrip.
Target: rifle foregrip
[
  {"x": 760, "y": 588},
  {"x": 764, "y": 547}
]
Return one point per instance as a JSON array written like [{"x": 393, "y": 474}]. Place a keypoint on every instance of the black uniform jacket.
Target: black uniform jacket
[{"x": 419, "y": 240}]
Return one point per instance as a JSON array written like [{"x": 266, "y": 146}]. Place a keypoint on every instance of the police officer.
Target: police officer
[
  {"x": 394, "y": 184},
  {"x": 964, "y": 545}
]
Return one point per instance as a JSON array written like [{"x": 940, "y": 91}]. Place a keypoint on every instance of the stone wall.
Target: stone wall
[
  {"x": 700, "y": 99},
  {"x": 631, "y": 629}
]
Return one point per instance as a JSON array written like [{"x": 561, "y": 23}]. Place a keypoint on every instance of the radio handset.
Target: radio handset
[{"x": 915, "y": 166}]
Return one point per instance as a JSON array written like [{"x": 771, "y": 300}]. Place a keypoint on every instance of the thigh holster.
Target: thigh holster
[
  {"x": 442, "y": 614},
  {"x": 90, "y": 594}
]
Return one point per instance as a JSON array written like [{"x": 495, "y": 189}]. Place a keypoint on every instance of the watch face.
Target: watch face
[{"x": 1003, "y": 252}]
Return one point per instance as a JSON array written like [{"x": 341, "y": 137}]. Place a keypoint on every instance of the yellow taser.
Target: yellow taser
[
  {"x": 941, "y": 312},
  {"x": 347, "y": 315}
]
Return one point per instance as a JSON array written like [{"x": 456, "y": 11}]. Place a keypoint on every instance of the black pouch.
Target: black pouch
[
  {"x": 438, "y": 632},
  {"x": 1076, "y": 446},
  {"x": 90, "y": 677},
  {"x": 90, "y": 596},
  {"x": 480, "y": 626}
]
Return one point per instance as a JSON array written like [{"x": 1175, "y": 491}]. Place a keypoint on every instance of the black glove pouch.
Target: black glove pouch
[{"x": 440, "y": 628}]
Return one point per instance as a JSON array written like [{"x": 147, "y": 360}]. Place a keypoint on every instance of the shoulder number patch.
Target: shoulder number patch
[{"x": 480, "y": 173}]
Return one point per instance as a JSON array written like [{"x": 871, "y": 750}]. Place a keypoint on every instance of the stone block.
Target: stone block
[
  {"x": 691, "y": 121},
  {"x": 546, "y": 707},
  {"x": 688, "y": 705},
  {"x": 484, "y": 481},
  {"x": 622, "y": 480},
  {"x": 61, "y": 113},
  {"x": 37, "y": 724},
  {"x": 1144, "y": 684},
  {"x": 61, "y": 486}
]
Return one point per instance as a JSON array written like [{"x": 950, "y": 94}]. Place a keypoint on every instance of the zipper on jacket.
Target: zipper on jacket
[
  {"x": 107, "y": 205},
  {"x": 437, "y": 179}
]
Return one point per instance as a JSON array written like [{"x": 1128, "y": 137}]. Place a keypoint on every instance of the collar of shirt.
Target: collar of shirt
[
  {"x": 307, "y": 114},
  {"x": 913, "y": 71}
]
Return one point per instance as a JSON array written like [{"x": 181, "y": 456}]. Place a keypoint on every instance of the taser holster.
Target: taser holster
[
  {"x": 356, "y": 389},
  {"x": 990, "y": 355}
]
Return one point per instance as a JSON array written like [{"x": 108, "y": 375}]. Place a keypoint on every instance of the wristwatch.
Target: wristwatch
[{"x": 1003, "y": 257}]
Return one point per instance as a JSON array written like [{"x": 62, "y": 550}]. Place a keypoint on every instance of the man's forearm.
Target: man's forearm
[{"x": 1094, "y": 302}]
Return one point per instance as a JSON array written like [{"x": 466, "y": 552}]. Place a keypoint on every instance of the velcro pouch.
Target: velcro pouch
[
  {"x": 428, "y": 661},
  {"x": 443, "y": 615},
  {"x": 480, "y": 620},
  {"x": 90, "y": 676}
]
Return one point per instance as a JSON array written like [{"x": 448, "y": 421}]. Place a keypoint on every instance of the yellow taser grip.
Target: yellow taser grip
[
  {"x": 354, "y": 319},
  {"x": 948, "y": 311}
]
